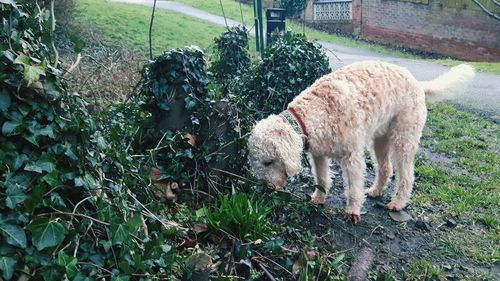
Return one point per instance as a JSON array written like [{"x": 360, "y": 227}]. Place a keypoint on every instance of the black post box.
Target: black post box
[{"x": 275, "y": 20}]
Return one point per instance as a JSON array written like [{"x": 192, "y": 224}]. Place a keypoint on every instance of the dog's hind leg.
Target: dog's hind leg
[
  {"x": 384, "y": 167},
  {"x": 405, "y": 136},
  {"x": 353, "y": 167},
  {"x": 322, "y": 178}
]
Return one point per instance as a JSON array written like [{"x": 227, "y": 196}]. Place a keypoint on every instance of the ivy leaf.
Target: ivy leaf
[
  {"x": 15, "y": 195},
  {"x": 31, "y": 138},
  {"x": 77, "y": 42},
  {"x": 119, "y": 233},
  {"x": 35, "y": 198},
  {"x": 134, "y": 223},
  {"x": 40, "y": 166},
  {"x": 7, "y": 266},
  {"x": 32, "y": 73},
  {"x": 46, "y": 233},
  {"x": 4, "y": 101},
  {"x": 52, "y": 178},
  {"x": 46, "y": 131},
  {"x": 88, "y": 181},
  {"x": 14, "y": 234},
  {"x": 68, "y": 262},
  {"x": 22, "y": 59},
  {"x": 8, "y": 54},
  {"x": 11, "y": 128},
  {"x": 51, "y": 89},
  {"x": 20, "y": 160},
  {"x": 69, "y": 152}
]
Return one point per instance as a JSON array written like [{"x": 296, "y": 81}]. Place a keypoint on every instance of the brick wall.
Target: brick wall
[{"x": 434, "y": 27}]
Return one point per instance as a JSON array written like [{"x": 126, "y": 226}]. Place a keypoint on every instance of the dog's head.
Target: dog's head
[{"x": 275, "y": 151}]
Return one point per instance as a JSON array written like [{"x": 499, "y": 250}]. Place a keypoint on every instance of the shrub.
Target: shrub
[
  {"x": 231, "y": 54},
  {"x": 293, "y": 7},
  {"x": 70, "y": 200},
  {"x": 176, "y": 90},
  {"x": 241, "y": 216},
  {"x": 289, "y": 66},
  {"x": 175, "y": 83}
]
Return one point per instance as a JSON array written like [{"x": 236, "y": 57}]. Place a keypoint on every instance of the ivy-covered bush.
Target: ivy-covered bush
[
  {"x": 288, "y": 66},
  {"x": 231, "y": 58},
  {"x": 194, "y": 131},
  {"x": 177, "y": 79},
  {"x": 72, "y": 197}
]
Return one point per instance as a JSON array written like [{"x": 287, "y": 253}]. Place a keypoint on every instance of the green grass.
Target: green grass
[
  {"x": 241, "y": 216},
  {"x": 470, "y": 188},
  {"x": 424, "y": 270},
  {"x": 129, "y": 24},
  {"x": 232, "y": 11}
]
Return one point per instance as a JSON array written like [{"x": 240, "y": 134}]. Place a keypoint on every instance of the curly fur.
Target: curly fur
[{"x": 367, "y": 103}]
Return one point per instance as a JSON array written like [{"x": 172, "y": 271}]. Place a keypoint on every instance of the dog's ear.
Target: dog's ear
[{"x": 289, "y": 146}]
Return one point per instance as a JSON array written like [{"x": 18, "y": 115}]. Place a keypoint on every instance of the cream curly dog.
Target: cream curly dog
[{"x": 367, "y": 103}]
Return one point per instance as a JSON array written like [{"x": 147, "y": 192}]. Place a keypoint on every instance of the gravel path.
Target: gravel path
[{"x": 483, "y": 95}]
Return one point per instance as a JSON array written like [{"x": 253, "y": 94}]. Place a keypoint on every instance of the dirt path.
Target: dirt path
[{"x": 483, "y": 96}]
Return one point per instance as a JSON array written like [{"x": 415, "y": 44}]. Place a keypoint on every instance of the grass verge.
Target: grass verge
[
  {"x": 129, "y": 23},
  {"x": 466, "y": 184},
  {"x": 244, "y": 13}
]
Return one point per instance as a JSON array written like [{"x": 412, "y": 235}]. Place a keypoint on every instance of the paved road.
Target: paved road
[{"x": 483, "y": 95}]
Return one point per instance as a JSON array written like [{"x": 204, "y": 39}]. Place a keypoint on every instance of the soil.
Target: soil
[{"x": 395, "y": 245}]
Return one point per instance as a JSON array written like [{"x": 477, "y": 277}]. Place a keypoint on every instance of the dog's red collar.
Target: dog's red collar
[
  {"x": 301, "y": 123},
  {"x": 291, "y": 117}
]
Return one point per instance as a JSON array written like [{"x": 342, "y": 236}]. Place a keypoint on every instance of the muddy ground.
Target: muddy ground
[
  {"x": 398, "y": 240},
  {"x": 395, "y": 244}
]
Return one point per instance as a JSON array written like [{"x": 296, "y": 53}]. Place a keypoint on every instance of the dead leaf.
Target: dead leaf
[
  {"x": 297, "y": 266},
  {"x": 188, "y": 243},
  {"x": 154, "y": 174},
  {"x": 191, "y": 139},
  {"x": 311, "y": 254},
  {"x": 215, "y": 239},
  {"x": 199, "y": 228}
]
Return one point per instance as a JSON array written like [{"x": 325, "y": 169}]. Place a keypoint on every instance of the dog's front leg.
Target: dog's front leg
[
  {"x": 322, "y": 178},
  {"x": 353, "y": 167}
]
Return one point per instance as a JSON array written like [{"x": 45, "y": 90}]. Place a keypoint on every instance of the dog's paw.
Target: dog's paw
[
  {"x": 355, "y": 218},
  {"x": 395, "y": 206},
  {"x": 372, "y": 192},
  {"x": 318, "y": 199}
]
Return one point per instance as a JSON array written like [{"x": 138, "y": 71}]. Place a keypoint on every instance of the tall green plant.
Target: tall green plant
[
  {"x": 241, "y": 216},
  {"x": 288, "y": 66},
  {"x": 232, "y": 58}
]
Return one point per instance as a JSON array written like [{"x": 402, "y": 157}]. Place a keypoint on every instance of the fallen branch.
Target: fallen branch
[
  {"x": 360, "y": 267},
  {"x": 263, "y": 268},
  {"x": 75, "y": 64},
  {"x": 75, "y": 215},
  {"x": 53, "y": 16}
]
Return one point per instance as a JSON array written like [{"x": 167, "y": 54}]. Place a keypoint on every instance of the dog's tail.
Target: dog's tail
[{"x": 449, "y": 83}]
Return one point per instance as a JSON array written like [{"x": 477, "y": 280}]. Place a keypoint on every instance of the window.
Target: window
[{"x": 332, "y": 10}]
